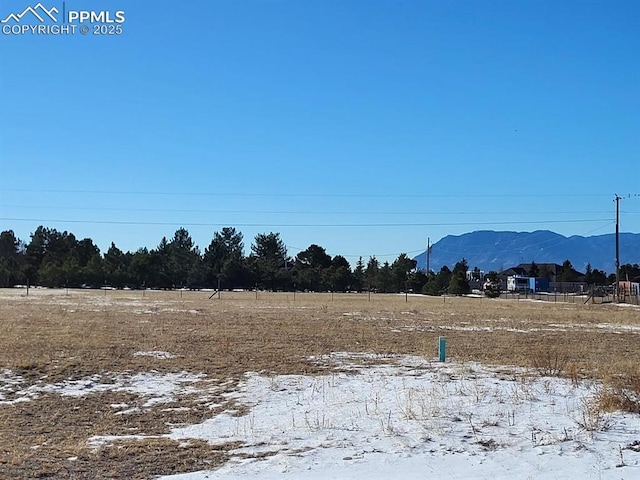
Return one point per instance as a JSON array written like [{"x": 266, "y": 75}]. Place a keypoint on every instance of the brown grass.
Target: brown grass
[{"x": 50, "y": 336}]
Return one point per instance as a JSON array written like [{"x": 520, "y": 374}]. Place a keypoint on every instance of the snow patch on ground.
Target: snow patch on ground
[
  {"x": 416, "y": 419},
  {"x": 627, "y": 305},
  {"x": 551, "y": 327},
  {"x": 9, "y": 382},
  {"x": 612, "y": 327},
  {"x": 155, "y": 354},
  {"x": 385, "y": 416},
  {"x": 158, "y": 388}
]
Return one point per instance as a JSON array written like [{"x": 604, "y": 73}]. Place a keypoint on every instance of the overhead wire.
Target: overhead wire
[
  {"x": 297, "y": 212},
  {"x": 302, "y": 225},
  {"x": 318, "y": 225},
  {"x": 311, "y": 195}
]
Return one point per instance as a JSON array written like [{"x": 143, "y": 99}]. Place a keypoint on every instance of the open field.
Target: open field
[{"x": 79, "y": 367}]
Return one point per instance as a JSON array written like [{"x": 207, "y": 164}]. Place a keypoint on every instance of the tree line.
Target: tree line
[{"x": 57, "y": 259}]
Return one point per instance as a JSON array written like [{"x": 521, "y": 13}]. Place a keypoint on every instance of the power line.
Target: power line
[
  {"x": 296, "y": 212},
  {"x": 305, "y": 225},
  {"x": 310, "y": 195}
]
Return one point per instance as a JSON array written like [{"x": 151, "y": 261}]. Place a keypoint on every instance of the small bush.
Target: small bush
[
  {"x": 622, "y": 395},
  {"x": 550, "y": 364},
  {"x": 491, "y": 290},
  {"x": 593, "y": 418}
]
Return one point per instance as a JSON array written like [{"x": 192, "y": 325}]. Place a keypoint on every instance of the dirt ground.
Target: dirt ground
[{"x": 50, "y": 336}]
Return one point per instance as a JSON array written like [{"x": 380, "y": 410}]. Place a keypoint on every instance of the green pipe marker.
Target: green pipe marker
[{"x": 442, "y": 348}]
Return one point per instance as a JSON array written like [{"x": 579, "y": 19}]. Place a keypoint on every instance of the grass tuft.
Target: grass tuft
[{"x": 551, "y": 363}]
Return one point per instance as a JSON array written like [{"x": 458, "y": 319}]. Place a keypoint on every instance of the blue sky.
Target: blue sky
[{"x": 362, "y": 126}]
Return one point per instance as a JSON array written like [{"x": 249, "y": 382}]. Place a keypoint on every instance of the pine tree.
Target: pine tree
[
  {"x": 269, "y": 262},
  {"x": 11, "y": 259},
  {"x": 588, "y": 274},
  {"x": 568, "y": 273},
  {"x": 311, "y": 268},
  {"x": 358, "y": 276},
  {"x": 400, "y": 272},
  {"x": 384, "y": 278},
  {"x": 492, "y": 285},
  {"x": 459, "y": 285},
  {"x": 223, "y": 259},
  {"x": 438, "y": 284},
  {"x": 339, "y": 277},
  {"x": 371, "y": 274}
]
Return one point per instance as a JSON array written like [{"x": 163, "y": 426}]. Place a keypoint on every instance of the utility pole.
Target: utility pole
[
  {"x": 617, "y": 200},
  {"x": 428, "y": 254}
]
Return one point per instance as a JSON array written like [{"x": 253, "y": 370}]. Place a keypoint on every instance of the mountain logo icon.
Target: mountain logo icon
[{"x": 38, "y": 11}]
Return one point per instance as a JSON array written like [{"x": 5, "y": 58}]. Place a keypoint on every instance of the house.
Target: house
[
  {"x": 552, "y": 271},
  {"x": 629, "y": 288},
  {"x": 547, "y": 278},
  {"x": 514, "y": 272}
]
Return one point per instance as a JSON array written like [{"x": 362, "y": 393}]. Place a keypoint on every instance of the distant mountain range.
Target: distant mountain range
[{"x": 489, "y": 250}]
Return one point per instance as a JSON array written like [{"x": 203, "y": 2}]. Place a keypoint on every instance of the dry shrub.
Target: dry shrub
[
  {"x": 550, "y": 363},
  {"x": 592, "y": 417},
  {"x": 573, "y": 373},
  {"x": 622, "y": 394}
]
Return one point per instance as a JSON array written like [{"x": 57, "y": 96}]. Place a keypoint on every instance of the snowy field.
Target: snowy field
[
  {"x": 420, "y": 419},
  {"x": 174, "y": 385},
  {"x": 379, "y": 417}
]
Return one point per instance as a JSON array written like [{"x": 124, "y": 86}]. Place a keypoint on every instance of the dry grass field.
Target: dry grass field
[{"x": 53, "y": 336}]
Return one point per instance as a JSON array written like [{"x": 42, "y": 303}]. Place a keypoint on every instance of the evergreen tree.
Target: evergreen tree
[
  {"x": 197, "y": 275},
  {"x": 438, "y": 284},
  {"x": 56, "y": 259},
  {"x": 568, "y": 273},
  {"x": 269, "y": 262},
  {"x": 116, "y": 267},
  {"x": 385, "y": 281},
  {"x": 311, "y": 268},
  {"x": 224, "y": 259},
  {"x": 35, "y": 253},
  {"x": 340, "y": 277},
  {"x": 140, "y": 269},
  {"x": 492, "y": 285},
  {"x": 417, "y": 281},
  {"x": 459, "y": 285},
  {"x": 629, "y": 271},
  {"x": 159, "y": 272},
  {"x": 183, "y": 257},
  {"x": 401, "y": 271},
  {"x": 358, "y": 276},
  {"x": 588, "y": 275},
  {"x": 371, "y": 274},
  {"x": 533, "y": 270},
  {"x": 12, "y": 259},
  {"x": 598, "y": 277},
  {"x": 93, "y": 272}
]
